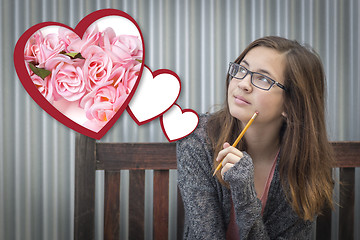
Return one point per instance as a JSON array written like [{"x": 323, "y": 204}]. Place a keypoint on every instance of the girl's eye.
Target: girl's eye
[
  {"x": 242, "y": 70},
  {"x": 263, "y": 79}
]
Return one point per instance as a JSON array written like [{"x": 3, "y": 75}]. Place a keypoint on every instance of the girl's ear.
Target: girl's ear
[{"x": 284, "y": 114}]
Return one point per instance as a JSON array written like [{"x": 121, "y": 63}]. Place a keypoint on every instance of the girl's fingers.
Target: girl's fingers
[
  {"x": 225, "y": 168},
  {"x": 222, "y": 153},
  {"x": 230, "y": 158},
  {"x": 226, "y": 145},
  {"x": 229, "y": 149}
]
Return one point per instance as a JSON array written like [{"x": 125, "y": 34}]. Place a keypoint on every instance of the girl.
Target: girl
[{"x": 279, "y": 178}]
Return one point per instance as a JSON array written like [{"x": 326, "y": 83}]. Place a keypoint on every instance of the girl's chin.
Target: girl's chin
[{"x": 243, "y": 116}]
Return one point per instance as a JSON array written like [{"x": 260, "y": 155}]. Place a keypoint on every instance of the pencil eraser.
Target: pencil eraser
[{"x": 257, "y": 112}]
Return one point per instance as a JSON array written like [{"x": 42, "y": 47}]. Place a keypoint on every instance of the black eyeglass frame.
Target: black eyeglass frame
[{"x": 273, "y": 82}]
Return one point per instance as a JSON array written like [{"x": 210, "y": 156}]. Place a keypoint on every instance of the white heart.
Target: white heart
[
  {"x": 156, "y": 93},
  {"x": 177, "y": 123}
]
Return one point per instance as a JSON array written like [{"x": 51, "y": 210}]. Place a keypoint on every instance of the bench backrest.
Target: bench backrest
[{"x": 161, "y": 157}]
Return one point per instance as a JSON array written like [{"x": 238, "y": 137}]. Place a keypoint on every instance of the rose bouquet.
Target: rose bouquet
[{"x": 95, "y": 73}]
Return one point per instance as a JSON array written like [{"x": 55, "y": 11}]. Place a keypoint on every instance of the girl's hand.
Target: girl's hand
[{"x": 230, "y": 155}]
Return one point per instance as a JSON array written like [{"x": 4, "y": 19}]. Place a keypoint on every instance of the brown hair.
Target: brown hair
[{"x": 306, "y": 157}]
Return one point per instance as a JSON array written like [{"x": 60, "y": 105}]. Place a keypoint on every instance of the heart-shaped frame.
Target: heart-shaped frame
[
  {"x": 82, "y": 26},
  {"x": 167, "y": 94}
]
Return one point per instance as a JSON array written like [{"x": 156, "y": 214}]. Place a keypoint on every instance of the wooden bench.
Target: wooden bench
[{"x": 137, "y": 157}]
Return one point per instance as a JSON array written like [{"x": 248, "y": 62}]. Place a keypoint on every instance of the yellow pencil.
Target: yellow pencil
[{"x": 239, "y": 137}]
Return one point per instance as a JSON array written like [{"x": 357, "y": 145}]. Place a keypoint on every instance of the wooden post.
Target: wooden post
[
  {"x": 161, "y": 204},
  {"x": 347, "y": 202},
  {"x": 180, "y": 215},
  {"x": 112, "y": 205},
  {"x": 85, "y": 166},
  {"x": 136, "y": 204}
]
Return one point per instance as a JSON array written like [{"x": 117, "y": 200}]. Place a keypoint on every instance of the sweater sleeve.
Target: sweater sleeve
[
  {"x": 203, "y": 213},
  {"x": 248, "y": 208}
]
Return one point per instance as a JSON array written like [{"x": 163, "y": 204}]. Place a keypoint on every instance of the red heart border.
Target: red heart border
[
  {"x": 154, "y": 74},
  {"x": 19, "y": 62}
]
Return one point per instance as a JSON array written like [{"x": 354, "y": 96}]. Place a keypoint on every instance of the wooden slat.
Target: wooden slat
[
  {"x": 323, "y": 225},
  {"x": 346, "y": 215},
  {"x": 347, "y": 154},
  {"x": 136, "y": 204},
  {"x": 161, "y": 204},
  {"x": 84, "y": 188},
  {"x": 180, "y": 216},
  {"x": 112, "y": 206},
  {"x": 116, "y": 156}
]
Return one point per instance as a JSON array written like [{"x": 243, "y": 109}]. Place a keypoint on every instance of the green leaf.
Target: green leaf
[
  {"x": 74, "y": 55},
  {"x": 41, "y": 72}
]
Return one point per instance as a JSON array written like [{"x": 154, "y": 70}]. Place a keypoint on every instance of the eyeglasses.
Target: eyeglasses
[{"x": 257, "y": 79}]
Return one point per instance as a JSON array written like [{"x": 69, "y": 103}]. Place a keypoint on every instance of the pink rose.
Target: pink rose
[
  {"x": 47, "y": 48},
  {"x": 101, "y": 104},
  {"x": 51, "y": 47},
  {"x": 90, "y": 37},
  {"x": 123, "y": 48},
  {"x": 107, "y": 37},
  {"x": 131, "y": 44},
  {"x": 97, "y": 67},
  {"x": 44, "y": 86},
  {"x": 67, "y": 77},
  {"x": 32, "y": 47},
  {"x": 67, "y": 37},
  {"x": 122, "y": 93},
  {"x": 125, "y": 75}
]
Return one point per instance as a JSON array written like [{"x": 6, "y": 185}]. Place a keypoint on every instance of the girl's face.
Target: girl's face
[{"x": 244, "y": 98}]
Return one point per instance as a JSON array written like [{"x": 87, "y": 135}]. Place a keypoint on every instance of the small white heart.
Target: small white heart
[
  {"x": 155, "y": 94},
  {"x": 177, "y": 123}
]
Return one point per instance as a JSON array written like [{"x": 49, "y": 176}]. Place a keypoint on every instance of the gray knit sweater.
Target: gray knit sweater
[{"x": 207, "y": 203}]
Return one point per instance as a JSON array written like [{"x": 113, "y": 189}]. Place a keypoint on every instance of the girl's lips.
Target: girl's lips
[{"x": 241, "y": 100}]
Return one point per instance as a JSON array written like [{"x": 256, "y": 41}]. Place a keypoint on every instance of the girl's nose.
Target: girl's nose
[{"x": 245, "y": 83}]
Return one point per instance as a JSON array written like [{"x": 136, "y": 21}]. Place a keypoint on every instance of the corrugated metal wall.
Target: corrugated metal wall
[{"x": 195, "y": 39}]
